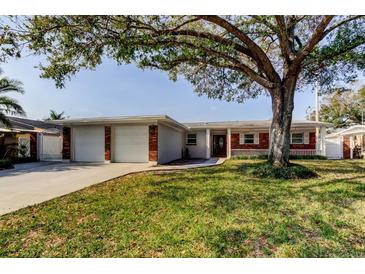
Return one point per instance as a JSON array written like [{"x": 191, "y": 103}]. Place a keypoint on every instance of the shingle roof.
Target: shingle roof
[{"x": 29, "y": 124}]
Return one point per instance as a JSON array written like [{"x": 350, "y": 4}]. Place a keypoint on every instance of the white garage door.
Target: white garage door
[
  {"x": 130, "y": 144},
  {"x": 334, "y": 148},
  {"x": 89, "y": 143}
]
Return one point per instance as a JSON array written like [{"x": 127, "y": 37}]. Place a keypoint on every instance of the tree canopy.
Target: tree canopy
[
  {"x": 231, "y": 57},
  {"x": 343, "y": 108},
  {"x": 8, "y": 105}
]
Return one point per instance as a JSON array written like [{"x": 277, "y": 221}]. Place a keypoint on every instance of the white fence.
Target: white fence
[{"x": 50, "y": 147}]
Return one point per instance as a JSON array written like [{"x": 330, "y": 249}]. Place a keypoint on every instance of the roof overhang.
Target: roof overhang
[
  {"x": 149, "y": 119},
  {"x": 354, "y": 130},
  {"x": 260, "y": 125}
]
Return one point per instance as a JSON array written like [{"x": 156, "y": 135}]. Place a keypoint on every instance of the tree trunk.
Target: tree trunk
[{"x": 282, "y": 109}]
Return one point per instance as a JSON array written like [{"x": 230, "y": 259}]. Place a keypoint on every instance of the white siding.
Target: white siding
[
  {"x": 334, "y": 148},
  {"x": 50, "y": 147},
  {"x": 170, "y": 144},
  {"x": 130, "y": 143},
  {"x": 88, "y": 143},
  {"x": 200, "y": 149}
]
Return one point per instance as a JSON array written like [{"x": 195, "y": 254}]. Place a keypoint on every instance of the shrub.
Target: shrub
[
  {"x": 292, "y": 157},
  {"x": 250, "y": 157},
  {"x": 5, "y": 164},
  {"x": 265, "y": 170}
]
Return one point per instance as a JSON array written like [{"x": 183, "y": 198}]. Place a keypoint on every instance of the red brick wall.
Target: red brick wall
[
  {"x": 346, "y": 147},
  {"x": 33, "y": 146},
  {"x": 311, "y": 145},
  {"x": 107, "y": 142},
  {"x": 153, "y": 143},
  {"x": 66, "y": 149},
  {"x": 263, "y": 142}
]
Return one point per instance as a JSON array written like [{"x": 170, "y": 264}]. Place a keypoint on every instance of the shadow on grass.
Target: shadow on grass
[{"x": 265, "y": 170}]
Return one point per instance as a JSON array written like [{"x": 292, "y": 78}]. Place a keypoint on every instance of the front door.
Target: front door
[{"x": 219, "y": 146}]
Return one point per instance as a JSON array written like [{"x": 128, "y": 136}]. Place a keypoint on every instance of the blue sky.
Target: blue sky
[{"x": 113, "y": 90}]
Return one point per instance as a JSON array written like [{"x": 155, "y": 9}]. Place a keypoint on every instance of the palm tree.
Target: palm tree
[
  {"x": 9, "y": 106},
  {"x": 53, "y": 115}
]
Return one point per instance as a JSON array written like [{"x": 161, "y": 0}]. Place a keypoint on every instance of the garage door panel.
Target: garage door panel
[
  {"x": 334, "y": 148},
  {"x": 130, "y": 144},
  {"x": 89, "y": 143}
]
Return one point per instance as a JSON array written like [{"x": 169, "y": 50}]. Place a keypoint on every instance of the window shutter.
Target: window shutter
[
  {"x": 257, "y": 138},
  {"x": 242, "y": 141},
  {"x": 306, "y": 137}
]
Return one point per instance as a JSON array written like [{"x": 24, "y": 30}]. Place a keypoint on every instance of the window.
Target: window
[
  {"x": 247, "y": 138},
  {"x": 297, "y": 138},
  {"x": 191, "y": 139}
]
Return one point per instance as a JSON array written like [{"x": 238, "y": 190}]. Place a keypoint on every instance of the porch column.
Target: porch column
[
  {"x": 351, "y": 146},
  {"x": 207, "y": 143},
  {"x": 323, "y": 141},
  {"x": 318, "y": 141},
  {"x": 228, "y": 143}
]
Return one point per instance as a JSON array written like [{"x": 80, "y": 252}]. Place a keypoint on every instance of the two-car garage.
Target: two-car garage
[
  {"x": 129, "y": 143},
  {"x": 133, "y": 139}
]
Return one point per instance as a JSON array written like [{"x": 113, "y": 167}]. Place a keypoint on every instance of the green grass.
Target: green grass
[{"x": 209, "y": 212}]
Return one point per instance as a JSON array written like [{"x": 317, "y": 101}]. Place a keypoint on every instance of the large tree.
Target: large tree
[
  {"x": 224, "y": 57},
  {"x": 8, "y": 105},
  {"x": 343, "y": 108}
]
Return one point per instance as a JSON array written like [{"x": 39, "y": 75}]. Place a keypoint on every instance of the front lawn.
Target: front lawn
[{"x": 209, "y": 212}]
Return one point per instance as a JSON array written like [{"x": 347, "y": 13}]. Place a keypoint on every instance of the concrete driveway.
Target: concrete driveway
[{"x": 34, "y": 183}]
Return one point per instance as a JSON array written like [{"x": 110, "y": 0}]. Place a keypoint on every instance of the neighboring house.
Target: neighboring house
[
  {"x": 346, "y": 143},
  {"x": 161, "y": 139},
  {"x": 43, "y": 139}
]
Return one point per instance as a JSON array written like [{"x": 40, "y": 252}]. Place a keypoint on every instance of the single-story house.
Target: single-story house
[
  {"x": 346, "y": 143},
  {"x": 42, "y": 140},
  {"x": 161, "y": 139}
]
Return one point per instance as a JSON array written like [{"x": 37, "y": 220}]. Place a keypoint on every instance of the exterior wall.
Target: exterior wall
[
  {"x": 107, "y": 143},
  {"x": 311, "y": 145},
  {"x": 346, "y": 147},
  {"x": 66, "y": 146},
  {"x": 153, "y": 143},
  {"x": 200, "y": 149},
  {"x": 170, "y": 144},
  {"x": 264, "y": 142}
]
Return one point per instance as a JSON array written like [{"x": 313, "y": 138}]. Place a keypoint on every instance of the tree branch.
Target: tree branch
[
  {"x": 283, "y": 38},
  {"x": 317, "y": 36},
  {"x": 264, "y": 61},
  {"x": 342, "y": 23}
]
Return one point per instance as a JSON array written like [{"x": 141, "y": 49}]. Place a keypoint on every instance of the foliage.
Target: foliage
[
  {"x": 264, "y": 170},
  {"x": 230, "y": 57},
  {"x": 9, "y": 106},
  {"x": 23, "y": 148},
  {"x": 5, "y": 164},
  {"x": 343, "y": 108},
  {"x": 207, "y": 212},
  {"x": 53, "y": 115}
]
